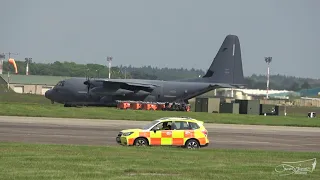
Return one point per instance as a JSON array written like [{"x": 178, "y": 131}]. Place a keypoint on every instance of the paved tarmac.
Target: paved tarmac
[{"x": 103, "y": 132}]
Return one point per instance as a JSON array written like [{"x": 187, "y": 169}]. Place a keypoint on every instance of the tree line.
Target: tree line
[{"x": 71, "y": 69}]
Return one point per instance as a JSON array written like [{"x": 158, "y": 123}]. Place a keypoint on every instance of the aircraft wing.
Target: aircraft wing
[
  {"x": 223, "y": 85},
  {"x": 133, "y": 86},
  {"x": 220, "y": 85}
]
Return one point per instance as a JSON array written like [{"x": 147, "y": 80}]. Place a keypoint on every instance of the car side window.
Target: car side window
[
  {"x": 185, "y": 125},
  {"x": 163, "y": 126},
  {"x": 176, "y": 125},
  {"x": 180, "y": 125},
  {"x": 194, "y": 125}
]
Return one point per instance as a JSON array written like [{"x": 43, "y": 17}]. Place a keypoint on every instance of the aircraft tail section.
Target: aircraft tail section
[{"x": 227, "y": 64}]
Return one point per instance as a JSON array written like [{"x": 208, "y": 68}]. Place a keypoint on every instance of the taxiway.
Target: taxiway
[{"x": 103, "y": 132}]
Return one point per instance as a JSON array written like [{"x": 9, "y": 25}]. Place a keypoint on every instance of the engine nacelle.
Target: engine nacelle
[
  {"x": 100, "y": 91},
  {"x": 142, "y": 93}
]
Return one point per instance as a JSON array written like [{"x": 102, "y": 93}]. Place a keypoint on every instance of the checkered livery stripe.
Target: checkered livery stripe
[{"x": 171, "y": 137}]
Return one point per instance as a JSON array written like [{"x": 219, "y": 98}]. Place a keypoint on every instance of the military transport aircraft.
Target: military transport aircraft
[{"x": 225, "y": 72}]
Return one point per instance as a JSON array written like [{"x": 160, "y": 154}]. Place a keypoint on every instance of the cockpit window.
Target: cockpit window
[{"x": 60, "y": 83}]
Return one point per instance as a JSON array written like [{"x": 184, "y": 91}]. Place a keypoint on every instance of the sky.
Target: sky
[{"x": 165, "y": 33}]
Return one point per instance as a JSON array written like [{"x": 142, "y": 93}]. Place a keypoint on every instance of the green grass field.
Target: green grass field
[
  {"x": 23, "y": 98},
  {"x": 42, "y": 110},
  {"x": 31, "y": 161},
  {"x": 14, "y": 104}
]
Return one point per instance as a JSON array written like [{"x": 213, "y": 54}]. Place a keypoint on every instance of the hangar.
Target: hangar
[{"x": 32, "y": 84}]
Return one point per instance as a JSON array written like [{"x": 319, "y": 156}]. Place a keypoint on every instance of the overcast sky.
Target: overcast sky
[{"x": 165, "y": 33}]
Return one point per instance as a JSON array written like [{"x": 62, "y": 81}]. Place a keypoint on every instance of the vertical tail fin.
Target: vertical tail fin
[{"x": 227, "y": 65}]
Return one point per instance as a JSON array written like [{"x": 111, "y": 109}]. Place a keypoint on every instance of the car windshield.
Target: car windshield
[{"x": 147, "y": 126}]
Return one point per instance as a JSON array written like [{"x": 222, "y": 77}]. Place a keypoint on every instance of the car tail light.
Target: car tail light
[{"x": 205, "y": 132}]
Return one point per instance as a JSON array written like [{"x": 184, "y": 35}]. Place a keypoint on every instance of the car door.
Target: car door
[
  {"x": 181, "y": 133},
  {"x": 159, "y": 136}
]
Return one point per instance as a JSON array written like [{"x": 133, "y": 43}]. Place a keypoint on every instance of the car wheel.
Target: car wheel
[
  {"x": 141, "y": 142},
  {"x": 192, "y": 144}
]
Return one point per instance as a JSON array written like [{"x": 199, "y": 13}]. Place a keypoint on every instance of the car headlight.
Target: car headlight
[{"x": 127, "y": 133}]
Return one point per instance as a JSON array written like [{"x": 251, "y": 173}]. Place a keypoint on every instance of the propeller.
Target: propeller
[{"x": 88, "y": 83}]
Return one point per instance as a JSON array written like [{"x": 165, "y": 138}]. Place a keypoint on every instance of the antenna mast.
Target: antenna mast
[
  {"x": 27, "y": 60},
  {"x": 109, "y": 59},
  {"x": 268, "y": 61}
]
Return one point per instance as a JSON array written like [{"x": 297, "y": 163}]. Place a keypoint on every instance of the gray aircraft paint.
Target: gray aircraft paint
[{"x": 225, "y": 71}]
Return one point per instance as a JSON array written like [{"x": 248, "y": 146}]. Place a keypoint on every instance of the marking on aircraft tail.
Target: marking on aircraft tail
[{"x": 233, "y": 49}]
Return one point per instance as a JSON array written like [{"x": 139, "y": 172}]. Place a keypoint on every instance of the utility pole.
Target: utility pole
[
  {"x": 27, "y": 60},
  {"x": 268, "y": 61},
  {"x": 9, "y": 53},
  {"x": 87, "y": 73},
  {"x": 98, "y": 73},
  {"x": 2, "y": 57},
  {"x": 109, "y": 59}
]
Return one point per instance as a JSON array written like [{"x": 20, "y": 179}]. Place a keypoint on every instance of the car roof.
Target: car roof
[{"x": 183, "y": 118}]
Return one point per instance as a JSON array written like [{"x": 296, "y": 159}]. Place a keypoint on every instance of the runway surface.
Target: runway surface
[{"x": 103, "y": 132}]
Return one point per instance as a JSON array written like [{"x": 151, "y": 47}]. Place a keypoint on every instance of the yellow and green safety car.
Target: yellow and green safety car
[{"x": 173, "y": 131}]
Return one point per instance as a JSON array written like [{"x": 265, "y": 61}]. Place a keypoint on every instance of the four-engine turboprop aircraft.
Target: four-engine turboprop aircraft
[{"x": 225, "y": 72}]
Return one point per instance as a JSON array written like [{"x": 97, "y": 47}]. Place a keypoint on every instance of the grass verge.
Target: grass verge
[
  {"x": 36, "y": 110},
  {"x": 34, "y": 161},
  {"x": 12, "y": 97}
]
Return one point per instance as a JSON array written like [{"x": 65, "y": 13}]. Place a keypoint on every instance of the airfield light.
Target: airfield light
[
  {"x": 109, "y": 59},
  {"x": 27, "y": 60},
  {"x": 268, "y": 61}
]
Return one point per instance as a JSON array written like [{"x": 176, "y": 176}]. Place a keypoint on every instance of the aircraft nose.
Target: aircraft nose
[{"x": 48, "y": 93}]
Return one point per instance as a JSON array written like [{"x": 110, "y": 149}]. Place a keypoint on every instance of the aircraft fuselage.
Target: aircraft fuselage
[{"x": 74, "y": 91}]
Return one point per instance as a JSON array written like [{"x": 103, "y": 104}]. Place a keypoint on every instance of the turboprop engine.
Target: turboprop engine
[
  {"x": 100, "y": 91},
  {"x": 142, "y": 93}
]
